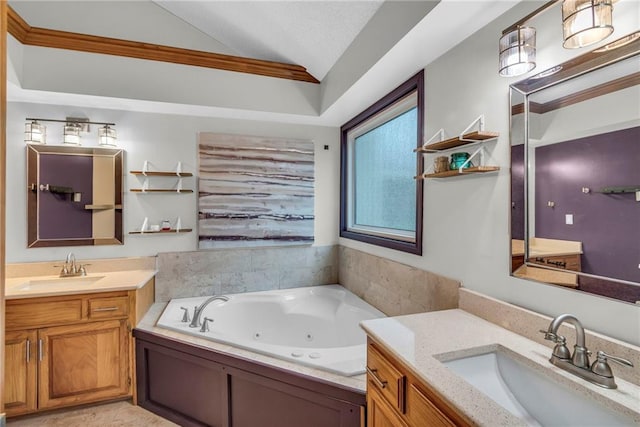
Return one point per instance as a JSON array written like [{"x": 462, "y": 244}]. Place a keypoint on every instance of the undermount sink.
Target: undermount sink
[
  {"x": 530, "y": 394},
  {"x": 37, "y": 284}
]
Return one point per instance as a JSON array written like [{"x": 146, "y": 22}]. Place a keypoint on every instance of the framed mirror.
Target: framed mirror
[
  {"x": 74, "y": 196},
  {"x": 575, "y": 173}
]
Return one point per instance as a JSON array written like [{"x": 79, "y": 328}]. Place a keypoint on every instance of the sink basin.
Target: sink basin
[
  {"x": 38, "y": 284},
  {"x": 531, "y": 395}
]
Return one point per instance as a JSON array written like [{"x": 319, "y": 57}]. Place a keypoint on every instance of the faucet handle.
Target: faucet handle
[
  {"x": 185, "y": 315},
  {"x": 550, "y": 336},
  {"x": 602, "y": 368},
  {"x": 205, "y": 324}
]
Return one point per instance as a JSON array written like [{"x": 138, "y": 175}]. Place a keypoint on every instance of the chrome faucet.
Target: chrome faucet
[
  {"x": 70, "y": 268},
  {"x": 197, "y": 311},
  {"x": 598, "y": 373}
]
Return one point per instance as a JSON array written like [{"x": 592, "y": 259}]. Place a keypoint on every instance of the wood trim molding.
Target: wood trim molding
[
  {"x": 43, "y": 37},
  {"x": 3, "y": 184}
]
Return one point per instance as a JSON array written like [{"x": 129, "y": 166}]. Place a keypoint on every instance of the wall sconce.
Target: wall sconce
[
  {"x": 585, "y": 22},
  {"x": 517, "y": 51},
  {"x": 35, "y": 133},
  {"x": 107, "y": 136}
]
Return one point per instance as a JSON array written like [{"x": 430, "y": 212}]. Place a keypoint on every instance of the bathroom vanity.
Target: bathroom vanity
[
  {"x": 413, "y": 380},
  {"x": 68, "y": 340}
]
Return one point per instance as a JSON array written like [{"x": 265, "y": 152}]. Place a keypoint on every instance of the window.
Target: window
[{"x": 380, "y": 202}]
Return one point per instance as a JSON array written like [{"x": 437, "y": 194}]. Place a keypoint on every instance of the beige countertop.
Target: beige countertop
[
  {"x": 148, "y": 324},
  {"x": 45, "y": 286},
  {"x": 539, "y": 247},
  {"x": 422, "y": 341}
]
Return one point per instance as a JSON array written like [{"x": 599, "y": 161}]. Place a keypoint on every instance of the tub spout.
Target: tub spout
[{"x": 197, "y": 311}]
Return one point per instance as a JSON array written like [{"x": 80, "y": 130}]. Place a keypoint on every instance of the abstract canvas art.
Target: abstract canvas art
[{"x": 254, "y": 191}]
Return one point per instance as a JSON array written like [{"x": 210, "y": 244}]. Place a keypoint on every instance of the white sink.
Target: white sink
[
  {"x": 530, "y": 394},
  {"x": 38, "y": 284}
]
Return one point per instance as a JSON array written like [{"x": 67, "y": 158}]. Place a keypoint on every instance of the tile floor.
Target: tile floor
[{"x": 117, "y": 414}]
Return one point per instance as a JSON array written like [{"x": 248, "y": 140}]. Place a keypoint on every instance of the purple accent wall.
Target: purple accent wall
[
  {"x": 608, "y": 225},
  {"x": 517, "y": 192},
  {"x": 60, "y": 217}
]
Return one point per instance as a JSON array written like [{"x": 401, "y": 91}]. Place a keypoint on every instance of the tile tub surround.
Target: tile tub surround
[
  {"x": 49, "y": 268},
  {"x": 148, "y": 324},
  {"x": 528, "y": 324},
  {"x": 222, "y": 271},
  {"x": 392, "y": 287},
  {"x": 422, "y": 341}
]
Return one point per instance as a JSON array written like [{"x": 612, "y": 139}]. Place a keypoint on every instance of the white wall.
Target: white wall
[
  {"x": 164, "y": 140},
  {"x": 466, "y": 219}
]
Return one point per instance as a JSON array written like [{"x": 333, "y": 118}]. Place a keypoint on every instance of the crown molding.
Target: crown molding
[{"x": 43, "y": 37}]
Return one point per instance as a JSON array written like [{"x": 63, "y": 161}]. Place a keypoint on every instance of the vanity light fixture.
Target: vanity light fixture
[
  {"x": 517, "y": 51},
  {"x": 585, "y": 22},
  {"x": 620, "y": 42},
  {"x": 71, "y": 134},
  {"x": 107, "y": 136},
  {"x": 35, "y": 133}
]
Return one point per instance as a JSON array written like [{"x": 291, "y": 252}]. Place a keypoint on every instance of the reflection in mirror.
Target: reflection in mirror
[
  {"x": 575, "y": 153},
  {"x": 74, "y": 196}
]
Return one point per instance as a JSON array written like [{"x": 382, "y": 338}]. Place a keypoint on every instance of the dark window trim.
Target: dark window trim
[{"x": 415, "y": 83}]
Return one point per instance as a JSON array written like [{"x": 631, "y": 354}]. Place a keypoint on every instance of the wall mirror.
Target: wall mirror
[
  {"x": 74, "y": 196},
  {"x": 575, "y": 181}
]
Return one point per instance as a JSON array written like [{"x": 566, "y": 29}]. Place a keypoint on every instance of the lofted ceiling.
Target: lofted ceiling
[{"x": 310, "y": 33}]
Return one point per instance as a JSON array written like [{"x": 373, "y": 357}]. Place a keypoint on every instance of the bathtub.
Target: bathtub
[{"x": 314, "y": 326}]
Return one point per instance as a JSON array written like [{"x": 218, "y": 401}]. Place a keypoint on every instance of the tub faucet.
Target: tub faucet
[
  {"x": 578, "y": 364},
  {"x": 197, "y": 310}
]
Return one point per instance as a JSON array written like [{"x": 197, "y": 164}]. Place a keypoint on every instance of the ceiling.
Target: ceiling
[
  {"x": 316, "y": 34},
  {"x": 310, "y": 33}
]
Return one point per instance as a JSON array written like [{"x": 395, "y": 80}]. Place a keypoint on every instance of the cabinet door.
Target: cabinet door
[
  {"x": 20, "y": 387},
  {"x": 379, "y": 412},
  {"x": 83, "y": 363}
]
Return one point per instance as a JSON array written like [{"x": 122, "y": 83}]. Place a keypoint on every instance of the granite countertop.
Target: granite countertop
[
  {"x": 422, "y": 341},
  {"x": 148, "y": 324},
  {"x": 45, "y": 286}
]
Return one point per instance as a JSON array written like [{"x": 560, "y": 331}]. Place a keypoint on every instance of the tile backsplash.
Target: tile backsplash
[
  {"x": 392, "y": 287},
  {"x": 227, "y": 271}
]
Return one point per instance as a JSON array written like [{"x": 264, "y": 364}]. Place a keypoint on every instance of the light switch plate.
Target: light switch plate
[{"x": 568, "y": 219}]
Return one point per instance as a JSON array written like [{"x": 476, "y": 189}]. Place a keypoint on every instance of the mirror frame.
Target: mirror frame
[
  {"x": 33, "y": 211},
  {"x": 591, "y": 61}
]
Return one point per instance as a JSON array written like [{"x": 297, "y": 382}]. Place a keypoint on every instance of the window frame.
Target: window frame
[{"x": 413, "y": 84}]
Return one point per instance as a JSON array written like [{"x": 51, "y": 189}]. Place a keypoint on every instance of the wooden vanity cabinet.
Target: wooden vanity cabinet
[
  {"x": 397, "y": 398},
  {"x": 69, "y": 350}
]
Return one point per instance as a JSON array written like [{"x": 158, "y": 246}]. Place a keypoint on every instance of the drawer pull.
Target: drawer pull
[
  {"x": 105, "y": 309},
  {"x": 374, "y": 374}
]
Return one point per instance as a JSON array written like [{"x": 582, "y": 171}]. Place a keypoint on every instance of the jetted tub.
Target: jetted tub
[{"x": 316, "y": 326}]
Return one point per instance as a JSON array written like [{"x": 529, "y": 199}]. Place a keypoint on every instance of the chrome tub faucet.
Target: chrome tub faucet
[
  {"x": 598, "y": 373},
  {"x": 197, "y": 311}
]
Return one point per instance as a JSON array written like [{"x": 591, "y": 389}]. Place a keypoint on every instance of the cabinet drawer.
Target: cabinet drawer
[
  {"x": 421, "y": 411},
  {"x": 383, "y": 376},
  {"x": 40, "y": 314},
  {"x": 108, "y": 308}
]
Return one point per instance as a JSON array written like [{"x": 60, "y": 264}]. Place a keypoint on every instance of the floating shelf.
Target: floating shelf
[
  {"x": 160, "y": 190},
  {"x": 102, "y": 207},
  {"x": 181, "y": 230},
  {"x": 456, "y": 172},
  {"x": 157, "y": 173},
  {"x": 458, "y": 141}
]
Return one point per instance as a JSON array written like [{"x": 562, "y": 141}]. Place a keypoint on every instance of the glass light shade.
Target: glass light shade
[
  {"x": 35, "y": 133},
  {"x": 585, "y": 22},
  {"x": 107, "y": 136},
  {"x": 71, "y": 134},
  {"x": 517, "y": 51}
]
